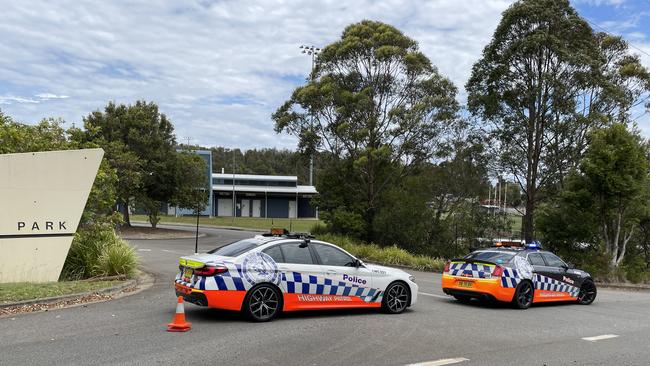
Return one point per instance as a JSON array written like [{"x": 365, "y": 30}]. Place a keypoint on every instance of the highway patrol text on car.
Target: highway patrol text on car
[
  {"x": 522, "y": 276},
  {"x": 264, "y": 275}
]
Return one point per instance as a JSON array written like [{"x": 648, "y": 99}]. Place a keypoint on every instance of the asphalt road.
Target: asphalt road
[{"x": 131, "y": 330}]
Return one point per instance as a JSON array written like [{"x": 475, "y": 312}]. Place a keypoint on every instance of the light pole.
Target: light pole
[{"x": 312, "y": 51}]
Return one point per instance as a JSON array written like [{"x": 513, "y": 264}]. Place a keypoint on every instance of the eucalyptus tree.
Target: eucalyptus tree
[
  {"x": 139, "y": 143},
  {"x": 375, "y": 100},
  {"x": 544, "y": 80}
]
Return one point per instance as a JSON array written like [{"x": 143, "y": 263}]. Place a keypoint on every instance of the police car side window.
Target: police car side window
[
  {"x": 536, "y": 259},
  {"x": 293, "y": 253},
  {"x": 330, "y": 256},
  {"x": 275, "y": 253},
  {"x": 553, "y": 260}
]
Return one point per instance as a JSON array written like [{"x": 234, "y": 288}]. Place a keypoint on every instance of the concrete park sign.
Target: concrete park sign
[{"x": 42, "y": 197}]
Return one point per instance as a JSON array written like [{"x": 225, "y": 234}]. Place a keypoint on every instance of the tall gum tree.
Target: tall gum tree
[
  {"x": 374, "y": 100},
  {"x": 525, "y": 89}
]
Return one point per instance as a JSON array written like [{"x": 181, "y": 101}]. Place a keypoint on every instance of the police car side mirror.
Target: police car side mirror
[
  {"x": 570, "y": 265},
  {"x": 358, "y": 263}
]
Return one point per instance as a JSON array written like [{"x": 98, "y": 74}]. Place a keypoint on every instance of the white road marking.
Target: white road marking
[
  {"x": 600, "y": 337},
  {"x": 429, "y": 281},
  {"x": 144, "y": 250},
  {"x": 174, "y": 252},
  {"x": 446, "y": 361},
  {"x": 433, "y": 295}
]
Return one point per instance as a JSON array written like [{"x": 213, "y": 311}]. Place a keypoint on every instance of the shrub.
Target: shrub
[
  {"x": 318, "y": 229},
  {"x": 387, "y": 255},
  {"x": 117, "y": 259},
  {"x": 97, "y": 251}
]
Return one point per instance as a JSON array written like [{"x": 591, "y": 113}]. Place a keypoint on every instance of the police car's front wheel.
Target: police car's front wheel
[
  {"x": 587, "y": 293},
  {"x": 523, "y": 295},
  {"x": 396, "y": 298},
  {"x": 262, "y": 303}
]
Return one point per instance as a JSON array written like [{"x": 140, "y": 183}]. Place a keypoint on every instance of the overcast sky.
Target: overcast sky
[{"x": 219, "y": 69}]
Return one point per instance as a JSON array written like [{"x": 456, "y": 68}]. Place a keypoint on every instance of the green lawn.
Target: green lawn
[
  {"x": 10, "y": 292},
  {"x": 299, "y": 225}
]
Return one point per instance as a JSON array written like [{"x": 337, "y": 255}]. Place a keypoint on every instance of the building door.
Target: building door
[
  {"x": 224, "y": 207},
  {"x": 293, "y": 209},
  {"x": 245, "y": 208},
  {"x": 257, "y": 208}
]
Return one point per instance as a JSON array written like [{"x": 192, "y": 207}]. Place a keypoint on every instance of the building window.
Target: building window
[{"x": 251, "y": 182}]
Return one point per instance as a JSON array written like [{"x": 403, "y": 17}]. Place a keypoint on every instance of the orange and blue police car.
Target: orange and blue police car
[
  {"x": 280, "y": 271},
  {"x": 519, "y": 275}
]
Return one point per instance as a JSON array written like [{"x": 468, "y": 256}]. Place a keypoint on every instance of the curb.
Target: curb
[
  {"x": 190, "y": 235},
  {"x": 54, "y": 299},
  {"x": 623, "y": 286}
]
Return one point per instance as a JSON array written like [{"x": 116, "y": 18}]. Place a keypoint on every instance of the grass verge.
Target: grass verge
[
  {"x": 11, "y": 292},
  {"x": 385, "y": 255},
  {"x": 300, "y": 225}
]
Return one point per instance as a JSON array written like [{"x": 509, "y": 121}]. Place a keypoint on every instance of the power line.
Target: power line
[{"x": 605, "y": 30}]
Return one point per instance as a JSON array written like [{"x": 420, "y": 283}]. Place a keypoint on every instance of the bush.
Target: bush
[
  {"x": 318, "y": 229},
  {"x": 97, "y": 251},
  {"x": 117, "y": 259},
  {"x": 387, "y": 255}
]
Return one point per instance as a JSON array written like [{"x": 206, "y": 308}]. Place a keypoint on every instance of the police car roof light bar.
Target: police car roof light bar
[
  {"x": 535, "y": 245},
  {"x": 284, "y": 233}
]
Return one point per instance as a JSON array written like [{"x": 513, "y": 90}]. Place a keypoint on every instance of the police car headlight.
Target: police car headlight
[{"x": 412, "y": 278}]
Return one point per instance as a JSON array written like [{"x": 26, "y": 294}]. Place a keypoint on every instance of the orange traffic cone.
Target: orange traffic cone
[{"x": 179, "y": 324}]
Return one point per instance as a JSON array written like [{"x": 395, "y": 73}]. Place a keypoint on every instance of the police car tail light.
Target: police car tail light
[
  {"x": 210, "y": 270},
  {"x": 446, "y": 267},
  {"x": 497, "y": 272}
]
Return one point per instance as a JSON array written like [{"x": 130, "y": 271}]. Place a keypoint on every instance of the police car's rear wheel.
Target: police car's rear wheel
[
  {"x": 587, "y": 293},
  {"x": 262, "y": 303},
  {"x": 463, "y": 298},
  {"x": 523, "y": 296},
  {"x": 396, "y": 298}
]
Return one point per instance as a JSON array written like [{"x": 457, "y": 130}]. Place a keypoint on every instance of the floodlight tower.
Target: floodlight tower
[{"x": 312, "y": 51}]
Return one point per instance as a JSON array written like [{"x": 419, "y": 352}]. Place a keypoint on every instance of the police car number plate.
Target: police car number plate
[
  {"x": 187, "y": 273},
  {"x": 464, "y": 284}
]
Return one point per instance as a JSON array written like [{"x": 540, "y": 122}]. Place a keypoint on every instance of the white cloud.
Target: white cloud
[
  {"x": 10, "y": 99},
  {"x": 218, "y": 69},
  {"x": 48, "y": 96}
]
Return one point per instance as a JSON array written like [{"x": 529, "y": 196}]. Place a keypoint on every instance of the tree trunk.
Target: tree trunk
[
  {"x": 125, "y": 213},
  {"x": 527, "y": 221}
]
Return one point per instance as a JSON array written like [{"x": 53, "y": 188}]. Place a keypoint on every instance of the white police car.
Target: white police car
[{"x": 266, "y": 274}]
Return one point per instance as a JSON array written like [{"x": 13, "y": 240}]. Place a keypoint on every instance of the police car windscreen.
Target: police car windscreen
[
  {"x": 491, "y": 256},
  {"x": 235, "y": 249}
]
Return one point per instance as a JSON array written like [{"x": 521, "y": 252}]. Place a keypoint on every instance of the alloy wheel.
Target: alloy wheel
[
  {"x": 263, "y": 303},
  {"x": 525, "y": 295},
  {"x": 397, "y": 298},
  {"x": 587, "y": 293}
]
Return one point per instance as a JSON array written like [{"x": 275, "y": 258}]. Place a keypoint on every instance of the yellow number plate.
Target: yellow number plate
[{"x": 464, "y": 284}]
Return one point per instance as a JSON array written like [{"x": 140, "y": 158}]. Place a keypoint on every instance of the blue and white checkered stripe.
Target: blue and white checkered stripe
[
  {"x": 292, "y": 282},
  {"x": 510, "y": 277},
  {"x": 473, "y": 269},
  {"x": 549, "y": 284},
  {"x": 297, "y": 283},
  {"x": 231, "y": 280}
]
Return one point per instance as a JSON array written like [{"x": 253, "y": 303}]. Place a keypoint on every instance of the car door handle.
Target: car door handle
[
  {"x": 330, "y": 272},
  {"x": 283, "y": 268}
]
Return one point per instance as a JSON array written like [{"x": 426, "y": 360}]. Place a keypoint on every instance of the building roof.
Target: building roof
[
  {"x": 291, "y": 178},
  {"x": 260, "y": 189}
]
